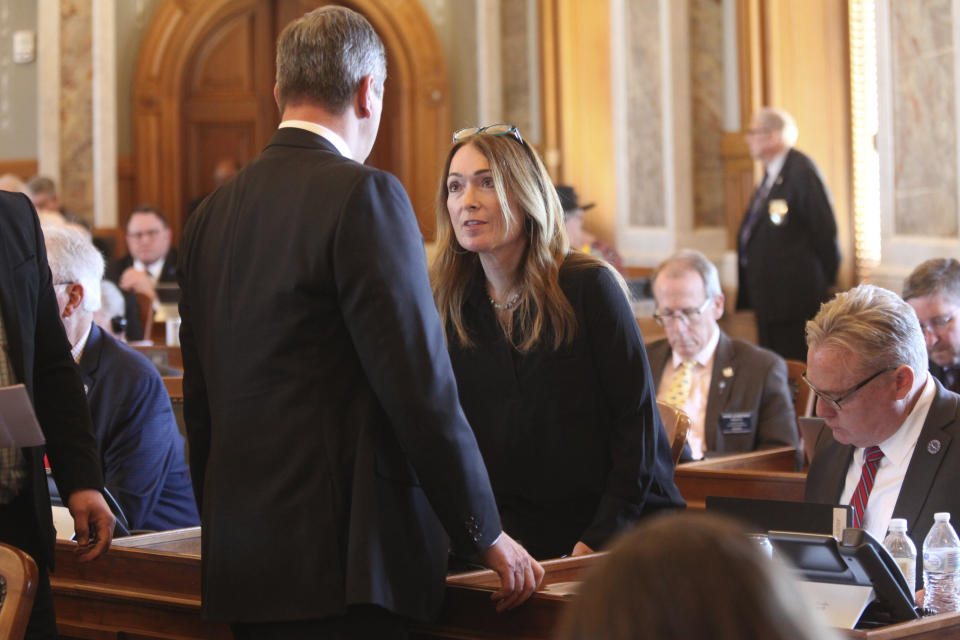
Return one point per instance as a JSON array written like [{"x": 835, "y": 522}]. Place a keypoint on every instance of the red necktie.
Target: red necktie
[{"x": 871, "y": 460}]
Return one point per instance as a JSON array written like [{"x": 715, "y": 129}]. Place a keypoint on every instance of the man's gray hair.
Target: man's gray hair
[
  {"x": 875, "y": 324},
  {"x": 41, "y": 185},
  {"x": 938, "y": 276},
  {"x": 73, "y": 258},
  {"x": 323, "y": 56},
  {"x": 112, "y": 299},
  {"x": 691, "y": 260},
  {"x": 777, "y": 119}
]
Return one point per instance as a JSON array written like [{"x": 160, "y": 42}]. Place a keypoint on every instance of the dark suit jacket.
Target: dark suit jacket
[
  {"x": 758, "y": 386},
  {"x": 132, "y": 308},
  {"x": 139, "y": 443},
  {"x": 790, "y": 265},
  {"x": 327, "y": 444},
  {"x": 41, "y": 359},
  {"x": 933, "y": 476}
]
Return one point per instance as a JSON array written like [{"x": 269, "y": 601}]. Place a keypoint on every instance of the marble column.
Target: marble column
[
  {"x": 76, "y": 107},
  {"x": 917, "y": 75}
]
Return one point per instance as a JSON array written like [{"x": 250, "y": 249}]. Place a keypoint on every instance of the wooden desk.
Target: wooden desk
[
  {"x": 766, "y": 474},
  {"x": 149, "y": 587},
  {"x": 159, "y": 353}
]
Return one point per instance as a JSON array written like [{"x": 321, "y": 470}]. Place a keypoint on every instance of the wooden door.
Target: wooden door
[{"x": 203, "y": 92}]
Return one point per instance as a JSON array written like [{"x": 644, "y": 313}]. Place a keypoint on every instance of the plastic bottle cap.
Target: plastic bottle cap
[
  {"x": 942, "y": 516},
  {"x": 898, "y": 524}
]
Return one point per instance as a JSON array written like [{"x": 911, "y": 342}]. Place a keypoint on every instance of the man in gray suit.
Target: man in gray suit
[
  {"x": 886, "y": 447},
  {"x": 737, "y": 398}
]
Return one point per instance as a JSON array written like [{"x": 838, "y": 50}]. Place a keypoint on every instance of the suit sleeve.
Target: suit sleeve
[
  {"x": 823, "y": 225},
  {"x": 59, "y": 399},
  {"x": 640, "y": 480},
  {"x": 135, "y": 460},
  {"x": 777, "y": 420},
  {"x": 388, "y": 307},
  {"x": 196, "y": 410}
]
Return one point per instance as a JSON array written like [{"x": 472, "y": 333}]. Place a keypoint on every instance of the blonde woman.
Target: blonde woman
[{"x": 550, "y": 365}]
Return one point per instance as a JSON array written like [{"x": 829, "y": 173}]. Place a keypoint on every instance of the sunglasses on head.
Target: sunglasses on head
[{"x": 499, "y": 129}]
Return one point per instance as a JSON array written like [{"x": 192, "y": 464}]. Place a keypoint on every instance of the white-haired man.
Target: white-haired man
[
  {"x": 787, "y": 244},
  {"x": 137, "y": 437},
  {"x": 735, "y": 393},
  {"x": 887, "y": 445}
]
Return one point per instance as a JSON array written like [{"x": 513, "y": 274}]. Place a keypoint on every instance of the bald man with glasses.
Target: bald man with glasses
[
  {"x": 933, "y": 290},
  {"x": 735, "y": 393},
  {"x": 886, "y": 447}
]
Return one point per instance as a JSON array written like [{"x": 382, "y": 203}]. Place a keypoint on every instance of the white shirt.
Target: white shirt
[
  {"x": 773, "y": 169},
  {"x": 696, "y": 404},
  {"x": 897, "y": 451},
  {"x": 331, "y": 136},
  {"x": 77, "y": 350},
  {"x": 153, "y": 270}
]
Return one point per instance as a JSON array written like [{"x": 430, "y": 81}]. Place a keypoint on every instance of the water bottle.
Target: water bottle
[
  {"x": 904, "y": 553},
  {"x": 941, "y": 566}
]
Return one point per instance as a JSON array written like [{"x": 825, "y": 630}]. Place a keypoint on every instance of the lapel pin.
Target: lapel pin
[
  {"x": 933, "y": 447},
  {"x": 728, "y": 372}
]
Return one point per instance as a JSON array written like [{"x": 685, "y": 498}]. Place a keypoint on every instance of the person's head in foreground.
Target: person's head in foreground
[{"x": 690, "y": 576}]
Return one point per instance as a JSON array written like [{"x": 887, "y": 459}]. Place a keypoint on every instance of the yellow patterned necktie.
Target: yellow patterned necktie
[{"x": 680, "y": 386}]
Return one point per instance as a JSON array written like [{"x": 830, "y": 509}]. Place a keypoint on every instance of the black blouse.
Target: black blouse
[{"x": 572, "y": 438}]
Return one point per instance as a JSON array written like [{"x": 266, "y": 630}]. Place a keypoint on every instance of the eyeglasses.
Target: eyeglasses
[
  {"x": 686, "y": 316},
  {"x": 499, "y": 129},
  {"x": 834, "y": 401},
  {"x": 937, "y": 322},
  {"x": 151, "y": 234}
]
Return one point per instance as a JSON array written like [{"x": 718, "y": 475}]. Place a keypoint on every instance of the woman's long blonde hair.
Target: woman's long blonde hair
[{"x": 518, "y": 172}]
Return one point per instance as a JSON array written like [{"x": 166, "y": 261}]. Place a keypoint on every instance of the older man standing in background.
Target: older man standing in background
[
  {"x": 787, "y": 244},
  {"x": 933, "y": 290}
]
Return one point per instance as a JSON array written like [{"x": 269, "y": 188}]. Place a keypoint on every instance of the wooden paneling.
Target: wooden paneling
[{"x": 23, "y": 168}]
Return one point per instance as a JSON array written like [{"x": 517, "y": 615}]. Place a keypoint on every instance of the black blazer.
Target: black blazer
[
  {"x": 757, "y": 383},
  {"x": 933, "y": 476},
  {"x": 327, "y": 445},
  {"x": 41, "y": 359},
  {"x": 790, "y": 265}
]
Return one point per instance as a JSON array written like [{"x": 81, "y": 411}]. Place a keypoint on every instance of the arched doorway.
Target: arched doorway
[{"x": 203, "y": 92}]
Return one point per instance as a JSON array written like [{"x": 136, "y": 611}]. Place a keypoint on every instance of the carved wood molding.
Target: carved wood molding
[{"x": 418, "y": 73}]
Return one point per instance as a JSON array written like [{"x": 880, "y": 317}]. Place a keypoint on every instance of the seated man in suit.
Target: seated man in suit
[
  {"x": 886, "y": 417},
  {"x": 150, "y": 260},
  {"x": 735, "y": 393},
  {"x": 933, "y": 290},
  {"x": 137, "y": 437}
]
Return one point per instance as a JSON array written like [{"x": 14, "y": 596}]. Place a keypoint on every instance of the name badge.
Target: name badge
[
  {"x": 736, "y": 423},
  {"x": 778, "y": 211}
]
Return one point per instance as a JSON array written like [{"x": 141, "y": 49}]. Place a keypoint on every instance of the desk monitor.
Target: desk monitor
[
  {"x": 858, "y": 559},
  {"x": 760, "y": 516}
]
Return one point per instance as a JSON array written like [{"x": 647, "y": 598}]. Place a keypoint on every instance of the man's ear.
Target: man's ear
[
  {"x": 365, "y": 96},
  {"x": 74, "y": 299},
  {"x": 276, "y": 96},
  {"x": 904, "y": 381}
]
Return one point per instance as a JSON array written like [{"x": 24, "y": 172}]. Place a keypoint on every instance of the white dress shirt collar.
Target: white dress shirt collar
[
  {"x": 331, "y": 136},
  {"x": 775, "y": 166},
  {"x": 705, "y": 355}
]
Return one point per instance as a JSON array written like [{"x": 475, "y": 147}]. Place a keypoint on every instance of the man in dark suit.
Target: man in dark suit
[
  {"x": 933, "y": 290},
  {"x": 149, "y": 261},
  {"x": 137, "y": 437},
  {"x": 34, "y": 351},
  {"x": 330, "y": 456},
  {"x": 886, "y": 418},
  {"x": 787, "y": 244},
  {"x": 738, "y": 398}
]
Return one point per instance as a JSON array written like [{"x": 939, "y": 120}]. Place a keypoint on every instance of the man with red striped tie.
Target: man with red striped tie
[{"x": 886, "y": 449}]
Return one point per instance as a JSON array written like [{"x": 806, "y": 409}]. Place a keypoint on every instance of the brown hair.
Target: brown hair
[
  {"x": 517, "y": 171},
  {"x": 689, "y": 577}
]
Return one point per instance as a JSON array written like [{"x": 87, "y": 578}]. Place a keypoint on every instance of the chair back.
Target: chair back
[
  {"x": 145, "y": 307},
  {"x": 676, "y": 423},
  {"x": 18, "y": 586},
  {"x": 802, "y": 395}
]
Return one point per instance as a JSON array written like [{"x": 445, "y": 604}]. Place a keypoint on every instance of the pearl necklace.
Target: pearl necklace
[{"x": 508, "y": 305}]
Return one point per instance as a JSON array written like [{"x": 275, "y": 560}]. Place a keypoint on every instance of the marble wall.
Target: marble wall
[
  {"x": 644, "y": 114},
  {"x": 923, "y": 72},
  {"x": 76, "y": 107},
  {"x": 707, "y": 110}
]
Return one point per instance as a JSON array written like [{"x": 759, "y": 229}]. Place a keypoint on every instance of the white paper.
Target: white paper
[
  {"x": 18, "y": 423},
  {"x": 841, "y": 604}
]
